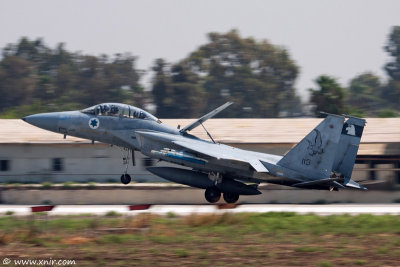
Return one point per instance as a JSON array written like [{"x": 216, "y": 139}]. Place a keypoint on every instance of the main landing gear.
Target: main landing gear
[
  {"x": 213, "y": 194},
  {"x": 125, "y": 177},
  {"x": 231, "y": 197}
]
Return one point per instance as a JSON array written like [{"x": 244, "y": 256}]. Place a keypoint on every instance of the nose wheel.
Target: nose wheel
[{"x": 125, "y": 178}]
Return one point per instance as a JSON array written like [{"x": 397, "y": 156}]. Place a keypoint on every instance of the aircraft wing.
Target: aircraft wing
[
  {"x": 220, "y": 152},
  {"x": 205, "y": 117}
]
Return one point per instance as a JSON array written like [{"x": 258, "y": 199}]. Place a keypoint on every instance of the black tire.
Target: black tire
[
  {"x": 125, "y": 178},
  {"x": 212, "y": 194},
  {"x": 231, "y": 197}
]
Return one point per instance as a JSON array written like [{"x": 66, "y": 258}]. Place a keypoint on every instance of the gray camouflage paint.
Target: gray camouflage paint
[{"x": 324, "y": 159}]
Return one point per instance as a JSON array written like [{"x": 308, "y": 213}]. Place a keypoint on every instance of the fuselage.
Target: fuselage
[
  {"x": 323, "y": 159},
  {"x": 132, "y": 128},
  {"x": 111, "y": 128}
]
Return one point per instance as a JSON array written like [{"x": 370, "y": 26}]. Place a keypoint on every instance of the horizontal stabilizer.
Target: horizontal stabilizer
[
  {"x": 353, "y": 184},
  {"x": 316, "y": 182},
  {"x": 338, "y": 184},
  {"x": 205, "y": 117}
]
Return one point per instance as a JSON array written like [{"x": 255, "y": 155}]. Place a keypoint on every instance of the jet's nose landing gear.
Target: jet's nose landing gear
[
  {"x": 212, "y": 194},
  {"x": 125, "y": 178}
]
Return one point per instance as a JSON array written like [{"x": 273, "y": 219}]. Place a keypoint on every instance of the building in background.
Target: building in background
[{"x": 32, "y": 155}]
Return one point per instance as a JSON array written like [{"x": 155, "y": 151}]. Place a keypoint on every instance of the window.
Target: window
[
  {"x": 57, "y": 164},
  {"x": 4, "y": 165},
  {"x": 148, "y": 162}
]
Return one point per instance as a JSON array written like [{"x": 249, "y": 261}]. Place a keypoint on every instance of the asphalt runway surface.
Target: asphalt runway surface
[{"x": 182, "y": 210}]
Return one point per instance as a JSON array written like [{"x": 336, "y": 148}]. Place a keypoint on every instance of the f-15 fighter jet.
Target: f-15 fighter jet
[{"x": 324, "y": 159}]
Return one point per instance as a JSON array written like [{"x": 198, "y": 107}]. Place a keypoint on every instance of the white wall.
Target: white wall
[
  {"x": 81, "y": 162},
  {"x": 85, "y": 162}
]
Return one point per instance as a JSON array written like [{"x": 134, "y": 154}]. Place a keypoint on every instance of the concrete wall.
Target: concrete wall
[
  {"x": 185, "y": 195},
  {"x": 80, "y": 162},
  {"x": 83, "y": 162}
]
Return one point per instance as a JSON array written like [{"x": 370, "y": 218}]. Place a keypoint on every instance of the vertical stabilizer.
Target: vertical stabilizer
[
  {"x": 314, "y": 156},
  {"x": 348, "y": 147}
]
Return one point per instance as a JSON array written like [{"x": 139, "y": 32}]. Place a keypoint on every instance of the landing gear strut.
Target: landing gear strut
[
  {"x": 125, "y": 177},
  {"x": 212, "y": 194}
]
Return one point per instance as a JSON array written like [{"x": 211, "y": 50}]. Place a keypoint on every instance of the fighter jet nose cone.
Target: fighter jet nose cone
[
  {"x": 26, "y": 119},
  {"x": 47, "y": 121}
]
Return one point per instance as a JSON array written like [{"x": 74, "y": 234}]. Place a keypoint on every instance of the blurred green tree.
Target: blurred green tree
[
  {"x": 257, "y": 76},
  {"x": 364, "y": 95},
  {"x": 329, "y": 97},
  {"x": 161, "y": 87},
  {"x": 176, "y": 92},
  {"x": 17, "y": 81},
  {"x": 32, "y": 73},
  {"x": 391, "y": 92}
]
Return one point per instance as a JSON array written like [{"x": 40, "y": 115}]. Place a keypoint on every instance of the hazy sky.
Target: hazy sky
[{"x": 342, "y": 38}]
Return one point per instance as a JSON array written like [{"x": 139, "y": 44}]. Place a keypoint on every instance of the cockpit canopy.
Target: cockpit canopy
[{"x": 119, "y": 110}]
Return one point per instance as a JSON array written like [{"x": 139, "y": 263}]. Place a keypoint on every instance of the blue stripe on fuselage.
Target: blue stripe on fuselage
[{"x": 198, "y": 161}]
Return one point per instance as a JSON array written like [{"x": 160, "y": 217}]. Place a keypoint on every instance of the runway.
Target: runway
[{"x": 183, "y": 210}]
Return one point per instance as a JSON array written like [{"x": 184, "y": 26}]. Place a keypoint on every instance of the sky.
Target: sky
[{"x": 341, "y": 38}]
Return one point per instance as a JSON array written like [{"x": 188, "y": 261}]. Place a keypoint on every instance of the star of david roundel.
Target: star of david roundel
[{"x": 94, "y": 123}]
